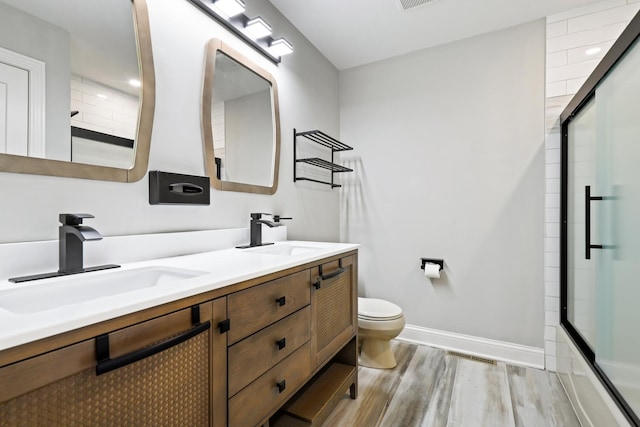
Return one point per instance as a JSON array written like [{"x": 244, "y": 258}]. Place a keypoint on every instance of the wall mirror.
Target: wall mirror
[
  {"x": 77, "y": 88},
  {"x": 240, "y": 122}
]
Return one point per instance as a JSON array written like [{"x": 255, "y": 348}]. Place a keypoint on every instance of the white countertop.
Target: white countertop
[{"x": 219, "y": 268}]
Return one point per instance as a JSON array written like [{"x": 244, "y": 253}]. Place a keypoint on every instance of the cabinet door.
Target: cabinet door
[
  {"x": 333, "y": 307},
  {"x": 152, "y": 373}
]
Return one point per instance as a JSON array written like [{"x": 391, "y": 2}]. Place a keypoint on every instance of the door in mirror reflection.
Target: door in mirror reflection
[{"x": 240, "y": 122}]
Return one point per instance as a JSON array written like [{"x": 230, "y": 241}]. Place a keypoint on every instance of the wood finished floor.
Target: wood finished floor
[{"x": 432, "y": 388}]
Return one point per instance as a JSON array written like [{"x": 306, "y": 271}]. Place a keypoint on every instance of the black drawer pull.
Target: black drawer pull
[
  {"x": 224, "y": 326},
  {"x": 282, "y": 385},
  {"x": 281, "y": 343},
  {"x": 106, "y": 364},
  {"x": 281, "y": 301},
  {"x": 333, "y": 274}
]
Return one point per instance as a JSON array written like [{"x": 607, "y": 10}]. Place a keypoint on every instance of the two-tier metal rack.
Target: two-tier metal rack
[{"x": 326, "y": 141}]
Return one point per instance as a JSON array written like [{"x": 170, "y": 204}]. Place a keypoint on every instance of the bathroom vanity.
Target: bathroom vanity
[{"x": 233, "y": 346}]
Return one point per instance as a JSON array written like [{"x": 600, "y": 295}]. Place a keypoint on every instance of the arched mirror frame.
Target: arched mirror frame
[
  {"x": 213, "y": 47},
  {"x": 38, "y": 166}
]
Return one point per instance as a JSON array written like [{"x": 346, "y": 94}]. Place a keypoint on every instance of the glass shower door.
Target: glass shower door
[
  {"x": 581, "y": 272},
  {"x": 617, "y": 228}
]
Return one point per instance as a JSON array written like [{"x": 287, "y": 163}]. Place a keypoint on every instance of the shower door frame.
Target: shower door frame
[{"x": 581, "y": 99}]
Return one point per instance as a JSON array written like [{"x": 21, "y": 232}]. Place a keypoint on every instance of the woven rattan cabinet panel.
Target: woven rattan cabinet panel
[
  {"x": 333, "y": 307},
  {"x": 169, "y": 388}
]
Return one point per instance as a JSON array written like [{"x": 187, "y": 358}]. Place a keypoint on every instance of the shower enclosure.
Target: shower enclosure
[{"x": 600, "y": 234}]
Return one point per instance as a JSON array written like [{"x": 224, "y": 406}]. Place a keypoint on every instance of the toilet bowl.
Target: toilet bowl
[{"x": 379, "y": 321}]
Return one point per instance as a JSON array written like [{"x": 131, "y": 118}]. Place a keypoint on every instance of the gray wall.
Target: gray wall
[
  {"x": 33, "y": 37},
  {"x": 448, "y": 158},
  {"x": 308, "y": 86}
]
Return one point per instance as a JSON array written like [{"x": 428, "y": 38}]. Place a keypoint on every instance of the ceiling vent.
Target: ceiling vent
[{"x": 411, "y": 4}]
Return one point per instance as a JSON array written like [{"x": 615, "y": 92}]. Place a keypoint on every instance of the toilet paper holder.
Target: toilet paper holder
[{"x": 438, "y": 261}]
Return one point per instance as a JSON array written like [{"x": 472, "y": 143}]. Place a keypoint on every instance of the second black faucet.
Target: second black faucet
[{"x": 255, "y": 229}]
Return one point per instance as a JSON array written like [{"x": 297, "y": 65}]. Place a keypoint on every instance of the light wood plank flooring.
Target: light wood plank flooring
[{"x": 432, "y": 388}]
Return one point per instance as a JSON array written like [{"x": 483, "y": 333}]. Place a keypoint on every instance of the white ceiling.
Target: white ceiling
[{"x": 356, "y": 32}]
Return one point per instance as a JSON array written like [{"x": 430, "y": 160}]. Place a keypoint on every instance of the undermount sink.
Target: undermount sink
[
  {"x": 68, "y": 290},
  {"x": 284, "y": 249}
]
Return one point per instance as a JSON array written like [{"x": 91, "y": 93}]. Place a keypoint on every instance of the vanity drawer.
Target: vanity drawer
[
  {"x": 261, "y": 397},
  {"x": 254, "y": 308},
  {"x": 251, "y": 357}
]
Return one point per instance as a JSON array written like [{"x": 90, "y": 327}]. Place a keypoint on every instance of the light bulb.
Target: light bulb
[
  {"x": 230, "y": 8},
  {"x": 280, "y": 47},
  {"x": 257, "y": 28}
]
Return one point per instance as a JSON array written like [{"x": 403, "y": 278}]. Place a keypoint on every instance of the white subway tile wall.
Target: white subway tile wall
[
  {"x": 103, "y": 109},
  {"x": 570, "y": 35}
]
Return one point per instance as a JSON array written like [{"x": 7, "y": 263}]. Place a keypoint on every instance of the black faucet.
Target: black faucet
[
  {"x": 255, "y": 229},
  {"x": 71, "y": 235}
]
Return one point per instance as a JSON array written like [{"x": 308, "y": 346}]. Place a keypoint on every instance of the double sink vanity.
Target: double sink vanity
[{"x": 238, "y": 337}]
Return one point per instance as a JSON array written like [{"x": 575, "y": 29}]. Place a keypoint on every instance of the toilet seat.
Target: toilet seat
[{"x": 374, "y": 309}]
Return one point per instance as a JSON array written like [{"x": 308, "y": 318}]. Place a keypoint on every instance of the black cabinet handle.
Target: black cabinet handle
[
  {"x": 224, "y": 326},
  {"x": 281, "y": 301},
  {"x": 333, "y": 274},
  {"x": 328, "y": 276},
  {"x": 282, "y": 385},
  {"x": 281, "y": 343},
  {"x": 106, "y": 364}
]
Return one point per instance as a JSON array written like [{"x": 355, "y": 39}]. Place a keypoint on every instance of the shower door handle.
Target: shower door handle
[{"x": 588, "y": 198}]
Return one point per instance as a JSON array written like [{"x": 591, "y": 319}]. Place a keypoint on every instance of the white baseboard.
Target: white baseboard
[{"x": 514, "y": 354}]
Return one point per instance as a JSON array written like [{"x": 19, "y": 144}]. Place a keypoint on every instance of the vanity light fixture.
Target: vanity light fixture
[
  {"x": 280, "y": 47},
  {"x": 257, "y": 28},
  {"x": 230, "y": 8},
  {"x": 256, "y": 32}
]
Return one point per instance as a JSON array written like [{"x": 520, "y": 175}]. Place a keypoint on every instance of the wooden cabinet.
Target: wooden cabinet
[
  {"x": 236, "y": 356},
  {"x": 269, "y": 355},
  {"x": 334, "y": 306},
  {"x": 334, "y": 327},
  {"x": 152, "y": 373}
]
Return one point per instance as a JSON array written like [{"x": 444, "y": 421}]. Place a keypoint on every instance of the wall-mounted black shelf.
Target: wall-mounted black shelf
[{"x": 325, "y": 140}]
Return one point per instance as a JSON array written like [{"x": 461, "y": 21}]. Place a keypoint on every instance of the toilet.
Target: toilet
[{"x": 379, "y": 321}]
